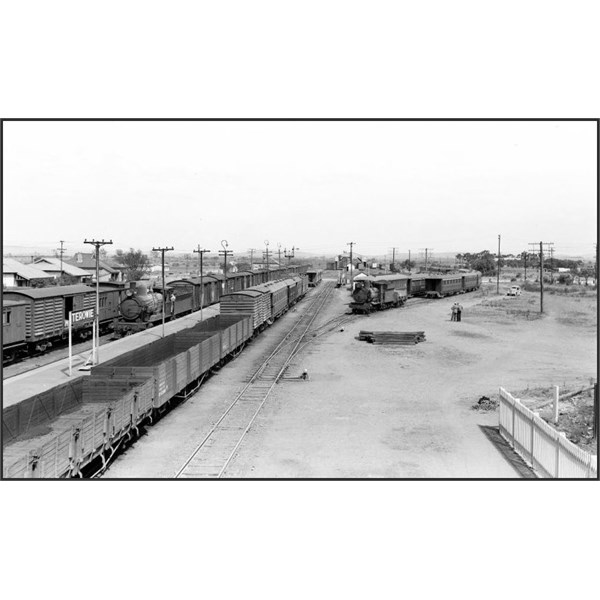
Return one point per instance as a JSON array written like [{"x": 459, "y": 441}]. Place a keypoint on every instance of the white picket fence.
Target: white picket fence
[{"x": 548, "y": 452}]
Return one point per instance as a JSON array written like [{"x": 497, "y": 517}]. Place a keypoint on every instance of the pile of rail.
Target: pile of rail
[{"x": 395, "y": 338}]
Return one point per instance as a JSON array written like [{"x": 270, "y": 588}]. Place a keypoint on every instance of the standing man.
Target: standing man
[
  {"x": 453, "y": 317},
  {"x": 172, "y": 298},
  {"x": 459, "y": 309}
]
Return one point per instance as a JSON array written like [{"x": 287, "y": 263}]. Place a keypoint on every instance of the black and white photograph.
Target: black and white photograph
[
  {"x": 300, "y": 300},
  {"x": 327, "y": 299}
]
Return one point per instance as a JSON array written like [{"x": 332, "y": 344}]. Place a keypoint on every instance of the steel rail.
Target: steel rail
[{"x": 251, "y": 387}]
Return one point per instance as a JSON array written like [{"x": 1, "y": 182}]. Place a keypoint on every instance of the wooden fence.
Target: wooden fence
[{"x": 548, "y": 452}]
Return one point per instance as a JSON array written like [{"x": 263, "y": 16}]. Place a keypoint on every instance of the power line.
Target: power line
[
  {"x": 97, "y": 244},
  {"x": 162, "y": 251},
  {"x": 351, "y": 244},
  {"x": 266, "y": 254},
  {"x": 498, "y": 270},
  {"x": 201, "y": 252},
  {"x": 61, "y": 250},
  {"x": 541, "y": 245}
]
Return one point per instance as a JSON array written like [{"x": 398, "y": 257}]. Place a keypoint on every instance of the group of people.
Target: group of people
[{"x": 456, "y": 311}]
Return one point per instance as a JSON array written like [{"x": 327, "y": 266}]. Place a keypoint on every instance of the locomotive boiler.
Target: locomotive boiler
[{"x": 140, "y": 305}]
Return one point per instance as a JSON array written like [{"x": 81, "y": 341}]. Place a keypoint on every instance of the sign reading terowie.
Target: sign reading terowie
[{"x": 82, "y": 315}]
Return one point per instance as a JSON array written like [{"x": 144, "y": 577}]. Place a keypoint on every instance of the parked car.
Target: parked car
[{"x": 514, "y": 290}]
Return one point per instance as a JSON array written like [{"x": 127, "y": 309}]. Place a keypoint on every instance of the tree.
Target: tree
[
  {"x": 407, "y": 264},
  {"x": 484, "y": 261},
  {"x": 137, "y": 264}
]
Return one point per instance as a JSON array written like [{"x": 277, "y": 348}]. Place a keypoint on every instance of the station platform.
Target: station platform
[{"x": 26, "y": 385}]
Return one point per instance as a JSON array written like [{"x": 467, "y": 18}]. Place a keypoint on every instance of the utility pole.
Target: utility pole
[
  {"x": 409, "y": 261},
  {"x": 426, "y": 257},
  {"x": 552, "y": 264},
  {"x": 279, "y": 254},
  {"x": 251, "y": 250},
  {"x": 524, "y": 255},
  {"x": 266, "y": 255},
  {"x": 394, "y": 260},
  {"x": 542, "y": 244},
  {"x": 201, "y": 253},
  {"x": 162, "y": 251},
  {"x": 498, "y": 269},
  {"x": 351, "y": 244},
  {"x": 225, "y": 253},
  {"x": 97, "y": 244},
  {"x": 62, "y": 250}
]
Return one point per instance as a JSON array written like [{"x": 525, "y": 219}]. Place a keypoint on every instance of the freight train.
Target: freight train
[
  {"x": 36, "y": 319},
  {"x": 136, "y": 388},
  {"x": 386, "y": 291}
]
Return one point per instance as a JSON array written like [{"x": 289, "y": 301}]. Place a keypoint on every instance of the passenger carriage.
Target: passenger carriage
[{"x": 443, "y": 285}]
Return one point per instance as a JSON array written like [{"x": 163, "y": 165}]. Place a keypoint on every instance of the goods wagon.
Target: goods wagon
[
  {"x": 416, "y": 286},
  {"x": 252, "y": 302},
  {"x": 314, "y": 277},
  {"x": 13, "y": 329},
  {"x": 47, "y": 312},
  {"x": 277, "y": 293}
]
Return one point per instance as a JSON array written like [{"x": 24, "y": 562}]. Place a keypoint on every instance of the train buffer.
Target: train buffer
[{"x": 396, "y": 338}]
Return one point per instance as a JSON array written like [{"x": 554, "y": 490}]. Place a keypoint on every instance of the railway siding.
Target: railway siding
[{"x": 214, "y": 453}]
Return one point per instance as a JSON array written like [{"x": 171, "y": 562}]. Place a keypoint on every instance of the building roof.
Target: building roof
[
  {"x": 87, "y": 261},
  {"x": 67, "y": 268},
  {"x": 10, "y": 265}
]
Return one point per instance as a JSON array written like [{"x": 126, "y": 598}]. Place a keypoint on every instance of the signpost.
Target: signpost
[{"x": 76, "y": 317}]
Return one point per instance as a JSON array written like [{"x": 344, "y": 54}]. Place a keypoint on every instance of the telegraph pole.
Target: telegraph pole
[
  {"x": 351, "y": 244},
  {"x": 201, "y": 253},
  {"x": 279, "y": 253},
  {"x": 524, "y": 255},
  {"x": 498, "y": 270},
  {"x": 409, "y": 261},
  {"x": 426, "y": 257},
  {"x": 162, "y": 251},
  {"x": 394, "y": 260},
  {"x": 97, "y": 244},
  {"x": 62, "y": 249},
  {"x": 251, "y": 250},
  {"x": 542, "y": 244},
  {"x": 266, "y": 254},
  {"x": 552, "y": 264},
  {"x": 225, "y": 253}
]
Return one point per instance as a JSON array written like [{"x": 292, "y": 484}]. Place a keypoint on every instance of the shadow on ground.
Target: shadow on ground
[{"x": 511, "y": 457}]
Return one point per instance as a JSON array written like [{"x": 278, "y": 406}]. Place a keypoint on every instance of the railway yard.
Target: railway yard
[{"x": 308, "y": 397}]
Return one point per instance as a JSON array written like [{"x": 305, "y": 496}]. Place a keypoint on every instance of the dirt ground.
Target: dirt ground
[{"x": 380, "y": 411}]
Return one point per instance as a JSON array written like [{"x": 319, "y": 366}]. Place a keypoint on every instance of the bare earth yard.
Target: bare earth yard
[{"x": 390, "y": 411}]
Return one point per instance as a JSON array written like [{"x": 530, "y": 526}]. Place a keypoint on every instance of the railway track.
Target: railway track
[{"x": 215, "y": 452}]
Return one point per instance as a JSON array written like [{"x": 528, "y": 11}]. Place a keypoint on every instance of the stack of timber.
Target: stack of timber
[{"x": 396, "y": 338}]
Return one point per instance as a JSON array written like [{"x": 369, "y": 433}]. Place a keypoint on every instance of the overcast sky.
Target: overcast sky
[{"x": 449, "y": 186}]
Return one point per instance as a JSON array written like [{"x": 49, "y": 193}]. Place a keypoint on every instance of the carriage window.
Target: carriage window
[
  {"x": 6, "y": 317},
  {"x": 102, "y": 301}
]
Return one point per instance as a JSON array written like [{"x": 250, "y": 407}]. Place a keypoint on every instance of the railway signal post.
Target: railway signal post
[
  {"x": 225, "y": 253},
  {"x": 96, "y": 327},
  {"x": 162, "y": 251}
]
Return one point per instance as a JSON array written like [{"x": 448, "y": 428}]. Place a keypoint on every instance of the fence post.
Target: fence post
[
  {"x": 533, "y": 416},
  {"x": 555, "y": 404},
  {"x": 560, "y": 436},
  {"x": 514, "y": 410}
]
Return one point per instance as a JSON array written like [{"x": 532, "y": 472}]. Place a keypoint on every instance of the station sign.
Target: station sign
[{"x": 82, "y": 315}]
